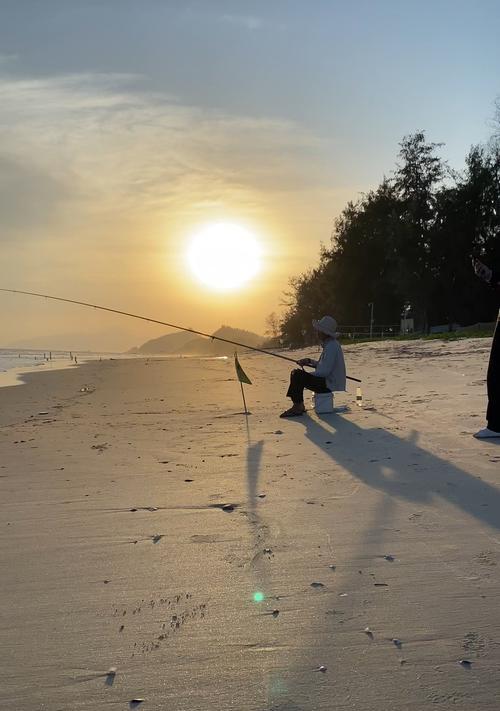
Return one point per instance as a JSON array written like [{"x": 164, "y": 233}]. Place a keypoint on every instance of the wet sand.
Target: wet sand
[{"x": 143, "y": 517}]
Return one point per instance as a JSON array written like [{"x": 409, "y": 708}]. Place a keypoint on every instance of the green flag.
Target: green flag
[{"x": 242, "y": 376}]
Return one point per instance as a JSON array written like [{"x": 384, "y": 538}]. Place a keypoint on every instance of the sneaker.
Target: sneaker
[{"x": 486, "y": 434}]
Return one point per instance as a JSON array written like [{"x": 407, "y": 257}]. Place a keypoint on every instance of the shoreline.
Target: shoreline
[{"x": 14, "y": 376}]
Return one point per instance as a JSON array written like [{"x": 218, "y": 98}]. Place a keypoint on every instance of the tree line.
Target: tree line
[{"x": 407, "y": 246}]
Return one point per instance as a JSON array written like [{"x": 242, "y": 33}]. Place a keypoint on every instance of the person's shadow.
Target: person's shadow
[{"x": 400, "y": 467}]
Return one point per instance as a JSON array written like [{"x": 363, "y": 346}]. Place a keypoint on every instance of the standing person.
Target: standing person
[
  {"x": 493, "y": 378},
  {"x": 329, "y": 373}
]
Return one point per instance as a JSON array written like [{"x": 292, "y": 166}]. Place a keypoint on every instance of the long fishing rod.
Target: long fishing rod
[{"x": 153, "y": 320}]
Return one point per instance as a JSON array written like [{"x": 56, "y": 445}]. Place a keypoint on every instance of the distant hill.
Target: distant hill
[
  {"x": 171, "y": 343},
  {"x": 186, "y": 344}
]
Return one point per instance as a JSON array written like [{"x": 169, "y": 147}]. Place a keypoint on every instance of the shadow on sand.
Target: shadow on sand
[
  {"x": 399, "y": 469},
  {"x": 416, "y": 475}
]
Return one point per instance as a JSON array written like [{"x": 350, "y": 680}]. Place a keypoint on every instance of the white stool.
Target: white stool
[{"x": 323, "y": 403}]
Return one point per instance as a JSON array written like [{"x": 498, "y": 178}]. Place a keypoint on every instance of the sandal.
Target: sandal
[{"x": 292, "y": 413}]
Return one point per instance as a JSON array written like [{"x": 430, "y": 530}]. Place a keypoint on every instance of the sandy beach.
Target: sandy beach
[{"x": 143, "y": 518}]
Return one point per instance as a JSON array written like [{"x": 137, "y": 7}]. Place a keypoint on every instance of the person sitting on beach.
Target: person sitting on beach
[
  {"x": 493, "y": 378},
  {"x": 329, "y": 373}
]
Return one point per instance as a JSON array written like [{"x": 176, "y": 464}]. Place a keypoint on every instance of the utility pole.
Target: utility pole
[{"x": 371, "y": 319}]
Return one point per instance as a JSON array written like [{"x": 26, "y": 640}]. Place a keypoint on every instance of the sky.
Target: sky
[{"x": 127, "y": 127}]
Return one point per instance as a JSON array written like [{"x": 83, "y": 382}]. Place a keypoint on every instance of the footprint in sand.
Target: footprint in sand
[
  {"x": 100, "y": 447},
  {"x": 473, "y": 642},
  {"x": 486, "y": 558}
]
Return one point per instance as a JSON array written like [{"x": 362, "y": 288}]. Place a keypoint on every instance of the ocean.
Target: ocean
[
  {"x": 22, "y": 358},
  {"x": 14, "y": 361}
]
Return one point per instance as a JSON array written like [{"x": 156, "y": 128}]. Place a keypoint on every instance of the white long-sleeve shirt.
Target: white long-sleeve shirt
[{"x": 331, "y": 365}]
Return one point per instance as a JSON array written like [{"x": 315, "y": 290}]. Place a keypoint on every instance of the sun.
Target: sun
[{"x": 224, "y": 256}]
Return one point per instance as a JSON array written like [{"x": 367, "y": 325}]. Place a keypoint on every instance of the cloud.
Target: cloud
[
  {"x": 247, "y": 21},
  {"x": 251, "y": 23},
  {"x": 8, "y": 58},
  {"x": 103, "y": 143},
  {"x": 29, "y": 197}
]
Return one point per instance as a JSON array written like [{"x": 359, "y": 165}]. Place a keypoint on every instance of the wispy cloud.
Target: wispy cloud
[
  {"x": 29, "y": 197},
  {"x": 113, "y": 146},
  {"x": 249, "y": 22},
  {"x": 8, "y": 58}
]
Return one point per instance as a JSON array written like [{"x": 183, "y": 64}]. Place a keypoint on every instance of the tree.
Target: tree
[
  {"x": 495, "y": 138},
  {"x": 272, "y": 326},
  {"x": 466, "y": 224},
  {"x": 363, "y": 257},
  {"x": 416, "y": 182},
  {"x": 408, "y": 241}
]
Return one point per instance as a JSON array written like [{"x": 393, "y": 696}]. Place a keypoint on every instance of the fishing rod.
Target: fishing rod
[{"x": 153, "y": 320}]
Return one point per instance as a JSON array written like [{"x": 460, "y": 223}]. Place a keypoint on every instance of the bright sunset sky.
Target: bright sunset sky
[{"x": 128, "y": 126}]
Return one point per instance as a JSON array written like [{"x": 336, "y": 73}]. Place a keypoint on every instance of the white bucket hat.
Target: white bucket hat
[{"x": 326, "y": 325}]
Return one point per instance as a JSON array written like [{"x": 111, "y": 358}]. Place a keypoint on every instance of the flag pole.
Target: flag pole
[
  {"x": 243, "y": 378},
  {"x": 244, "y": 401}
]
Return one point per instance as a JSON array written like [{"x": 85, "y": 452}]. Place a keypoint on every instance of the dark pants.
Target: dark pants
[
  {"x": 299, "y": 380},
  {"x": 493, "y": 379}
]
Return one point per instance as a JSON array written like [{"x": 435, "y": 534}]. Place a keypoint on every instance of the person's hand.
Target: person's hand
[
  {"x": 304, "y": 361},
  {"x": 482, "y": 271}
]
